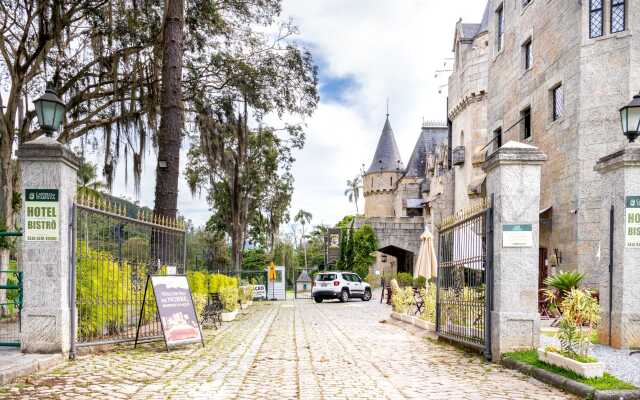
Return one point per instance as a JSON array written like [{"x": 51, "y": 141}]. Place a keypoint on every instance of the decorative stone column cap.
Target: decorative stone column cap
[
  {"x": 45, "y": 148},
  {"x": 627, "y": 156},
  {"x": 514, "y": 153}
]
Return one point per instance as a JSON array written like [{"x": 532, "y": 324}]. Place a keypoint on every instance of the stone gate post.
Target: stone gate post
[
  {"x": 513, "y": 178},
  {"x": 49, "y": 177},
  {"x": 620, "y": 173}
]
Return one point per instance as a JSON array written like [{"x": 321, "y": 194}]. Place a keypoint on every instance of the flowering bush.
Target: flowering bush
[{"x": 229, "y": 298}]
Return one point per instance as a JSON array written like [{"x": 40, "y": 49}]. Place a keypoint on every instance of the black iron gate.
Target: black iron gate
[
  {"x": 116, "y": 245},
  {"x": 463, "y": 312}
]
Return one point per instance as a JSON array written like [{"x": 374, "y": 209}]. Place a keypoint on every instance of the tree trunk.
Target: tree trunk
[
  {"x": 170, "y": 133},
  {"x": 6, "y": 197}
]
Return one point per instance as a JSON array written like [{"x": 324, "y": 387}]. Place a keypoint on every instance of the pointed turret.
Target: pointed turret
[{"x": 387, "y": 157}]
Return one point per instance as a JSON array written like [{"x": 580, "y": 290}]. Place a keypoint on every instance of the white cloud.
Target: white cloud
[{"x": 391, "y": 49}]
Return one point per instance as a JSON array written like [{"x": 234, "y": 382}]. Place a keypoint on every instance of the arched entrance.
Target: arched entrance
[{"x": 405, "y": 258}]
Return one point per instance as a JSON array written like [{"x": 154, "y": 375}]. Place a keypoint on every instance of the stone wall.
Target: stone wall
[
  {"x": 468, "y": 114},
  {"x": 597, "y": 77},
  {"x": 379, "y": 193}
]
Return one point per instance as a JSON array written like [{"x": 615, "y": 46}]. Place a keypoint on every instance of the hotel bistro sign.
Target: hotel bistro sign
[
  {"x": 42, "y": 215},
  {"x": 632, "y": 221}
]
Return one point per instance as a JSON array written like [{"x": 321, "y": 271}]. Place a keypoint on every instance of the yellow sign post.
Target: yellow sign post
[
  {"x": 272, "y": 279},
  {"x": 272, "y": 272}
]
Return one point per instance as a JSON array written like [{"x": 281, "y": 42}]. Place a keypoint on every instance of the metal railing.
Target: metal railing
[
  {"x": 464, "y": 284},
  {"x": 115, "y": 248},
  {"x": 11, "y": 302}
]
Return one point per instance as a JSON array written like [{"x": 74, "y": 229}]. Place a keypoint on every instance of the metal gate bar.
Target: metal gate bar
[
  {"x": 464, "y": 284},
  {"x": 115, "y": 249}
]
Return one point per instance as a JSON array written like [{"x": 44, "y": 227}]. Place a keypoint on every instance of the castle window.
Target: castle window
[
  {"x": 526, "y": 3},
  {"x": 500, "y": 27},
  {"x": 557, "y": 97},
  {"x": 497, "y": 140},
  {"x": 391, "y": 180},
  {"x": 596, "y": 18},
  {"x": 618, "y": 17},
  {"x": 527, "y": 54},
  {"x": 525, "y": 115}
]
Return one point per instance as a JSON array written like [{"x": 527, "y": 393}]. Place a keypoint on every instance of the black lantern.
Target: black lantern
[
  {"x": 630, "y": 118},
  {"x": 50, "y": 110}
]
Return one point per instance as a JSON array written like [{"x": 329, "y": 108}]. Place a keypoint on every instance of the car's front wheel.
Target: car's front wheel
[
  {"x": 367, "y": 295},
  {"x": 344, "y": 296},
  {"x": 317, "y": 299}
]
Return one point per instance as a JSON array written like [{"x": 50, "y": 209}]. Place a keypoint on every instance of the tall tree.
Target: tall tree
[
  {"x": 252, "y": 73},
  {"x": 353, "y": 190},
  {"x": 303, "y": 217},
  {"x": 99, "y": 55},
  {"x": 170, "y": 132}
]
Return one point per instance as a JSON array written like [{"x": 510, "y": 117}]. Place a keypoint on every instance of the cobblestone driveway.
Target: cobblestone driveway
[{"x": 289, "y": 350}]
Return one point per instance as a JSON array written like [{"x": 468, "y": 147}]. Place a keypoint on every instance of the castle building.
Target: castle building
[
  {"x": 552, "y": 74},
  {"x": 393, "y": 197}
]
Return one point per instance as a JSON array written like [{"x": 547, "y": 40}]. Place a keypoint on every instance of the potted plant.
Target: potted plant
[
  {"x": 229, "y": 298},
  {"x": 580, "y": 316}
]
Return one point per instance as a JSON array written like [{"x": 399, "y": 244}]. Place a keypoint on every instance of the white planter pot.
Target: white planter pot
[
  {"x": 588, "y": 370},
  {"x": 244, "y": 306},
  {"x": 427, "y": 325},
  {"x": 228, "y": 316},
  {"x": 250, "y": 303},
  {"x": 407, "y": 318}
]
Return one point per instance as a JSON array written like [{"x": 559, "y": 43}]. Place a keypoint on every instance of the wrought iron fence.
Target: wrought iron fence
[
  {"x": 116, "y": 247},
  {"x": 463, "y": 297}
]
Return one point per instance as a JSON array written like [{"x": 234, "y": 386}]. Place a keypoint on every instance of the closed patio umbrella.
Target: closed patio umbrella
[{"x": 427, "y": 263}]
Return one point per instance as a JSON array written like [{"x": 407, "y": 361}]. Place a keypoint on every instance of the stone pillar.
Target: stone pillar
[
  {"x": 46, "y": 318},
  {"x": 620, "y": 173},
  {"x": 513, "y": 178}
]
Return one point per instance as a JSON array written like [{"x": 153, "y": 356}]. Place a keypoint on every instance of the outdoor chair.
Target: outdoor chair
[
  {"x": 418, "y": 301},
  {"x": 211, "y": 315},
  {"x": 389, "y": 294}
]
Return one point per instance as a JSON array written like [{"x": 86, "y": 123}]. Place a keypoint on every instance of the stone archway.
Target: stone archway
[{"x": 405, "y": 258}]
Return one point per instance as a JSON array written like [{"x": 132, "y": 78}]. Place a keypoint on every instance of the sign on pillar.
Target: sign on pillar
[{"x": 42, "y": 215}]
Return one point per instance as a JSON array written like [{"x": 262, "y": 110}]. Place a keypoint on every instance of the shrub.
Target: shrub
[
  {"x": 580, "y": 316},
  {"x": 197, "y": 282},
  {"x": 405, "y": 279},
  {"x": 402, "y": 299},
  {"x": 229, "y": 298},
  {"x": 429, "y": 295},
  {"x": 420, "y": 282}
]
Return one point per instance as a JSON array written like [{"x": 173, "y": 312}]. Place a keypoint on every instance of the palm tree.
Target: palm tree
[
  {"x": 88, "y": 184},
  {"x": 303, "y": 217},
  {"x": 353, "y": 190}
]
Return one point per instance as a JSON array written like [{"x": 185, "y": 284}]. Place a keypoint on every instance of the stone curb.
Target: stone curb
[
  {"x": 36, "y": 365},
  {"x": 580, "y": 389}
]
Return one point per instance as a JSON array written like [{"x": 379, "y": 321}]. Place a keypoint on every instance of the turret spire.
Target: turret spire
[{"x": 387, "y": 157}]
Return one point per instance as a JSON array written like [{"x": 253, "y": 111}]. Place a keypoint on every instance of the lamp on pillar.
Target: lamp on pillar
[
  {"x": 630, "y": 119},
  {"x": 50, "y": 110}
]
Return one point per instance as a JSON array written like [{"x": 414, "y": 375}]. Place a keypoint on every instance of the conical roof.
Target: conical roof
[
  {"x": 387, "y": 157},
  {"x": 430, "y": 136}
]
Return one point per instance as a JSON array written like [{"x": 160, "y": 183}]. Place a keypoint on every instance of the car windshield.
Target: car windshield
[{"x": 325, "y": 277}]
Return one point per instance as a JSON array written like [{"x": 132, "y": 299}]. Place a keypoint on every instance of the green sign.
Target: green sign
[
  {"x": 42, "y": 215},
  {"x": 632, "y": 221},
  {"x": 517, "y": 235}
]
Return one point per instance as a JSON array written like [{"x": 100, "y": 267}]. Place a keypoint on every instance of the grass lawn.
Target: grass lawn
[{"x": 607, "y": 382}]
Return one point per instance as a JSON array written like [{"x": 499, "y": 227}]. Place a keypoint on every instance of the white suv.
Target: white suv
[{"x": 339, "y": 285}]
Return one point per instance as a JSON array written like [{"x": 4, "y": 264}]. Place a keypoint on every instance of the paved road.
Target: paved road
[{"x": 289, "y": 350}]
